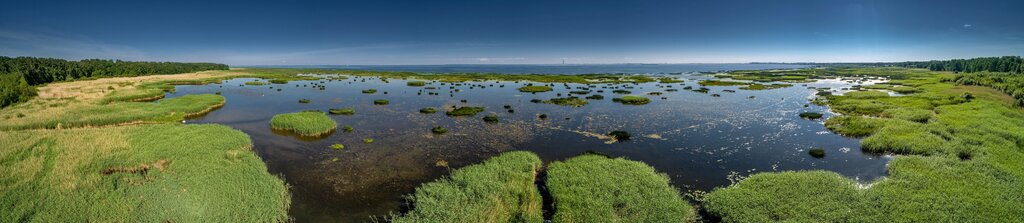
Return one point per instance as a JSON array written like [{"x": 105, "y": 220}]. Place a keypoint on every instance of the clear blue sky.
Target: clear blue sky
[{"x": 493, "y": 32}]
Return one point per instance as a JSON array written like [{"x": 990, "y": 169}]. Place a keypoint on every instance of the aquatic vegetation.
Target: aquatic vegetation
[
  {"x": 304, "y": 101},
  {"x": 256, "y": 83},
  {"x": 347, "y": 128},
  {"x": 338, "y": 146},
  {"x": 164, "y": 172},
  {"x": 810, "y": 115},
  {"x": 569, "y": 101},
  {"x": 500, "y": 189},
  {"x": 622, "y": 92},
  {"x": 765, "y": 87},
  {"x": 342, "y": 111},
  {"x": 439, "y": 130},
  {"x": 367, "y": 140},
  {"x": 721, "y": 83},
  {"x": 619, "y": 135},
  {"x": 595, "y": 97},
  {"x": 534, "y": 88},
  {"x": 465, "y": 111},
  {"x": 278, "y": 81},
  {"x": 962, "y": 163},
  {"x": 595, "y": 188},
  {"x": 381, "y": 102},
  {"x": 304, "y": 123},
  {"x": 369, "y": 91},
  {"x": 669, "y": 80},
  {"x": 86, "y": 114},
  {"x": 632, "y": 100},
  {"x": 491, "y": 118},
  {"x": 579, "y": 92},
  {"x": 817, "y": 153},
  {"x": 543, "y": 116},
  {"x": 428, "y": 110},
  {"x": 416, "y": 83}
]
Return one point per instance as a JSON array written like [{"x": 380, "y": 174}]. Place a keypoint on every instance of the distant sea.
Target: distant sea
[{"x": 557, "y": 68}]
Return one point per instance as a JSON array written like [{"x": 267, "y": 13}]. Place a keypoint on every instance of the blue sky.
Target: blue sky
[{"x": 515, "y": 32}]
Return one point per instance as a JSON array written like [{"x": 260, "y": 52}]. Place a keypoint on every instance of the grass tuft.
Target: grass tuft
[{"x": 304, "y": 123}]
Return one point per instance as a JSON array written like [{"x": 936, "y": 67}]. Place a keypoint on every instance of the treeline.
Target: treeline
[
  {"x": 1009, "y": 64},
  {"x": 20, "y": 75}
]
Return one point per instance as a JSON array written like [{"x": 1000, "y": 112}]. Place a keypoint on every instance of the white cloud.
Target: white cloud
[{"x": 968, "y": 25}]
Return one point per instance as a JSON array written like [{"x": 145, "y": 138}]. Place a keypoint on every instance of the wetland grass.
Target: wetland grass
[
  {"x": 428, "y": 110},
  {"x": 500, "y": 189},
  {"x": 491, "y": 118},
  {"x": 534, "y": 88},
  {"x": 416, "y": 83},
  {"x": 439, "y": 130},
  {"x": 337, "y": 146},
  {"x": 595, "y": 188},
  {"x": 568, "y": 101},
  {"x": 342, "y": 111},
  {"x": 304, "y": 123},
  {"x": 381, "y": 102},
  {"x": 817, "y": 153},
  {"x": 369, "y": 91},
  {"x": 90, "y": 115},
  {"x": 810, "y": 115},
  {"x": 465, "y": 111},
  {"x": 632, "y": 100},
  {"x": 140, "y": 173}
]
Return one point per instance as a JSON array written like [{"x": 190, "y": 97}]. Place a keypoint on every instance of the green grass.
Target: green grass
[
  {"x": 465, "y": 111},
  {"x": 534, "y": 88},
  {"x": 337, "y": 146},
  {"x": 428, "y": 110},
  {"x": 632, "y": 100},
  {"x": 594, "y": 188},
  {"x": 304, "y": 123},
  {"x": 721, "y": 83},
  {"x": 143, "y": 173},
  {"x": 567, "y": 101},
  {"x": 342, "y": 111},
  {"x": 765, "y": 86},
  {"x": 500, "y": 189},
  {"x": 256, "y": 83},
  {"x": 369, "y": 91},
  {"x": 439, "y": 130},
  {"x": 960, "y": 165},
  {"x": 669, "y": 80},
  {"x": 416, "y": 83},
  {"x": 381, "y": 102},
  {"x": 491, "y": 118},
  {"x": 83, "y": 115}
]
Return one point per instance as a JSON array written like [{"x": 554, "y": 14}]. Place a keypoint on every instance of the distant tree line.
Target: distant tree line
[
  {"x": 20, "y": 75},
  {"x": 1009, "y": 64}
]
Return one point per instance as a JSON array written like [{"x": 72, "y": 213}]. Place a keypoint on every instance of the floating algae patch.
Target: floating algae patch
[
  {"x": 309, "y": 124},
  {"x": 595, "y": 188}
]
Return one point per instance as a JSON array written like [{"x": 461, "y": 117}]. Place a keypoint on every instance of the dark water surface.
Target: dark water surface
[
  {"x": 698, "y": 140},
  {"x": 558, "y": 68}
]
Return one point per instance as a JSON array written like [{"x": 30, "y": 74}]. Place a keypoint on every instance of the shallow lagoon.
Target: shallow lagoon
[{"x": 700, "y": 141}]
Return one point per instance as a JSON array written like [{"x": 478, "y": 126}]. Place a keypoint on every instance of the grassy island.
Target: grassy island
[
  {"x": 304, "y": 123},
  {"x": 632, "y": 100},
  {"x": 465, "y": 111},
  {"x": 534, "y": 88}
]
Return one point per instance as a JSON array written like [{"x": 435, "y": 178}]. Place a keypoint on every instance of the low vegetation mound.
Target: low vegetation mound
[
  {"x": 416, "y": 83},
  {"x": 765, "y": 86},
  {"x": 721, "y": 83},
  {"x": 595, "y": 188},
  {"x": 534, "y": 88},
  {"x": 304, "y": 123},
  {"x": 632, "y": 100},
  {"x": 465, "y": 111},
  {"x": 500, "y": 189},
  {"x": 85, "y": 114},
  {"x": 142, "y": 173},
  {"x": 567, "y": 101},
  {"x": 342, "y": 111}
]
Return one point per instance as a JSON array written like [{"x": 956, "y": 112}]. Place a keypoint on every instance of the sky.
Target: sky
[{"x": 383, "y": 32}]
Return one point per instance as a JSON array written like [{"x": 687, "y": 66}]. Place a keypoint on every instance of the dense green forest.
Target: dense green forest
[
  {"x": 20, "y": 75},
  {"x": 1010, "y": 64}
]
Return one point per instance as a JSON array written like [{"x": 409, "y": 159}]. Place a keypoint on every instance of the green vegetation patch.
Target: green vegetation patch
[
  {"x": 534, "y": 88},
  {"x": 567, "y": 101},
  {"x": 632, "y": 100},
  {"x": 416, "y": 83},
  {"x": 428, "y": 110},
  {"x": 810, "y": 196},
  {"x": 369, "y": 91},
  {"x": 256, "y": 83},
  {"x": 491, "y": 118},
  {"x": 342, "y": 111},
  {"x": 465, "y": 111},
  {"x": 381, "y": 102},
  {"x": 594, "y": 188},
  {"x": 142, "y": 173},
  {"x": 82, "y": 115},
  {"x": 669, "y": 80},
  {"x": 439, "y": 130},
  {"x": 304, "y": 123},
  {"x": 765, "y": 86},
  {"x": 500, "y": 189},
  {"x": 810, "y": 115},
  {"x": 721, "y": 83}
]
